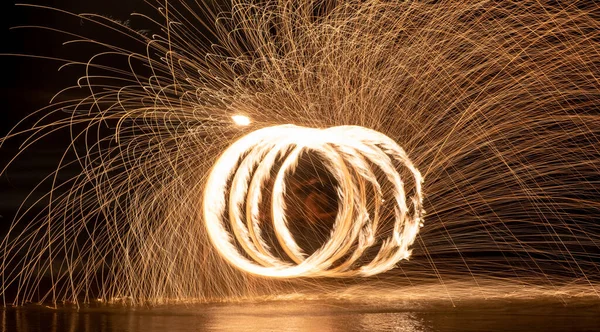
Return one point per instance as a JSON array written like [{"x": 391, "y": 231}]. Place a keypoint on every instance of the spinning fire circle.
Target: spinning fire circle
[{"x": 357, "y": 158}]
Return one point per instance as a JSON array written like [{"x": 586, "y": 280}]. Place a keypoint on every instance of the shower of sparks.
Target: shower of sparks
[{"x": 182, "y": 182}]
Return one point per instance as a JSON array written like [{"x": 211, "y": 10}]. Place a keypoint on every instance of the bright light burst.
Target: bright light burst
[
  {"x": 241, "y": 120},
  {"x": 348, "y": 152},
  {"x": 181, "y": 183}
]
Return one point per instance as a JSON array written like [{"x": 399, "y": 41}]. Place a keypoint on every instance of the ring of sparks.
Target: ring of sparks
[{"x": 354, "y": 156}]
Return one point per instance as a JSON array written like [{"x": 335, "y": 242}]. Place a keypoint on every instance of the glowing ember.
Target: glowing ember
[{"x": 241, "y": 120}]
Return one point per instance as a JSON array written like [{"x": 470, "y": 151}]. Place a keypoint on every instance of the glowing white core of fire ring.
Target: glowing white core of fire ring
[{"x": 350, "y": 153}]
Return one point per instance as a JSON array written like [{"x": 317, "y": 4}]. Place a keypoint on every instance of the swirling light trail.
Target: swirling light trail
[{"x": 349, "y": 152}]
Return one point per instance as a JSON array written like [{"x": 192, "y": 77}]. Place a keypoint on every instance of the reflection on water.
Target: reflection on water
[
  {"x": 307, "y": 316},
  {"x": 37, "y": 320}
]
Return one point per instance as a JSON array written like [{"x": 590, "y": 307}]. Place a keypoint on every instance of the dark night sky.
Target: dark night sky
[{"x": 28, "y": 84}]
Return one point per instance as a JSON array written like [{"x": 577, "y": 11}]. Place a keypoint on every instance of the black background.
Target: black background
[{"x": 28, "y": 83}]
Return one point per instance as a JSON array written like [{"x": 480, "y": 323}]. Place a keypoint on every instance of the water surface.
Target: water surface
[{"x": 322, "y": 316}]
